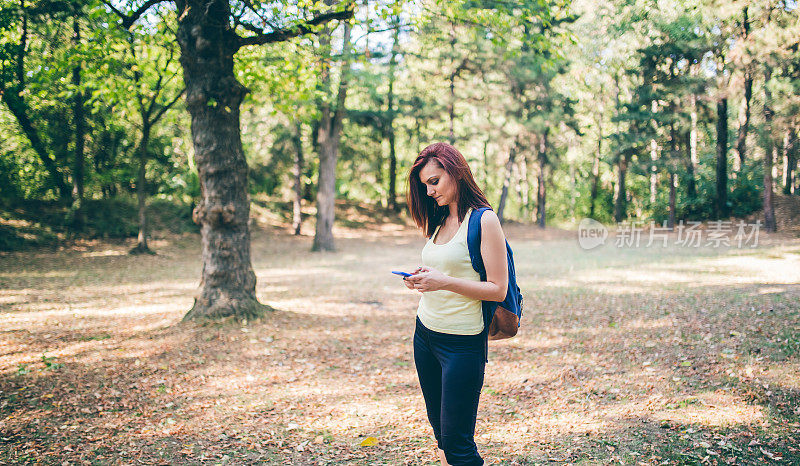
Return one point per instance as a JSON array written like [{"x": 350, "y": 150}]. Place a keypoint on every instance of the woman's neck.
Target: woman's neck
[{"x": 453, "y": 211}]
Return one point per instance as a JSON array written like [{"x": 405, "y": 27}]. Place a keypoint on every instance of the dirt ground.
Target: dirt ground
[{"x": 659, "y": 355}]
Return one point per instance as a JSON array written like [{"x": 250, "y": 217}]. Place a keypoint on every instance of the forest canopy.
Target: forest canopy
[{"x": 614, "y": 110}]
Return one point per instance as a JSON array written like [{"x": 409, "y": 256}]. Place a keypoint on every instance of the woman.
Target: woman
[{"x": 449, "y": 340}]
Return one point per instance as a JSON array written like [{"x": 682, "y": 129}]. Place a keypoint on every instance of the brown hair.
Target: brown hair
[{"x": 423, "y": 208}]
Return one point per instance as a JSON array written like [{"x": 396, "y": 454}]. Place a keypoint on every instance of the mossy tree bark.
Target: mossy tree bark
[
  {"x": 208, "y": 44},
  {"x": 328, "y": 136},
  {"x": 213, "y": 97}
]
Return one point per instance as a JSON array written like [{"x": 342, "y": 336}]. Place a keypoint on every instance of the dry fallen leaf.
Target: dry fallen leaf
[{"x": 369, "y": 442}]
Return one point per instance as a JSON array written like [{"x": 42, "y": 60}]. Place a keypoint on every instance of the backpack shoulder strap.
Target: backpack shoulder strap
[{"x": 474, "y": 241}]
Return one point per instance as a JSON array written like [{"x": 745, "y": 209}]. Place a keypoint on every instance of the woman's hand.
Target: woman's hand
[
  {"x": 428, "y": 279},
  {"x": 408, "y": 283}
]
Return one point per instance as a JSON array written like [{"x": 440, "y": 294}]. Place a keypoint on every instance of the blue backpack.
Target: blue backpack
[{"x": 500, "y": 319}]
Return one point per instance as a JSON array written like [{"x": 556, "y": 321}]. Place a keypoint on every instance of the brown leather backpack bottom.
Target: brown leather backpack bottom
[{"x": 504, "y": 324}]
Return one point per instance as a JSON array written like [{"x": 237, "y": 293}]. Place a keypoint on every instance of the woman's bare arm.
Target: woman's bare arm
[{"x": 493, "y": 251}]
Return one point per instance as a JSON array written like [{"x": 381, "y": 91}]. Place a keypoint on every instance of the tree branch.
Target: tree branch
[
  {"x": 128, "y": 20},
  {"x": 252, "y": 28},
  {"x": 164, "y": 109},
  {"x": 280, "y": 35}
]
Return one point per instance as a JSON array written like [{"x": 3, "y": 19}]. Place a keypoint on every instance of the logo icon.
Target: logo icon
[{"x": 591, "y": 233}]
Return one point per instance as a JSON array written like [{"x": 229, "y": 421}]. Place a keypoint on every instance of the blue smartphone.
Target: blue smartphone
[{"x": 404, "y": 274}]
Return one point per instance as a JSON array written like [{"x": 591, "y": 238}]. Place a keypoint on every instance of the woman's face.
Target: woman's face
[{"x": 438, "y": 183}]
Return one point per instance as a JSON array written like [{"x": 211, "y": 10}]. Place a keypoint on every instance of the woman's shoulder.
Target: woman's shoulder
[
  {"x": 489, "y": 218},
  {"x": 490, "y": 225}
]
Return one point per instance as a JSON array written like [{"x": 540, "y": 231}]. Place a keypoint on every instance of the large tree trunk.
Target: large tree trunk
[
  {"x": 541, "y": 197},
  {"x": 330, "y": 131},
  {"x": 213, "y": 97},
  {"x": 769, "y": 155},
  {"x": 297, "y": 203},
  {"x": 326, "y": 185},
  {"x": 722, "y": 159},
  {"x": 744, "y": 119}
]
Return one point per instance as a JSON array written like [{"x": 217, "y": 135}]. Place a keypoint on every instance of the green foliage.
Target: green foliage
[
  {"x": 49, "y": 364},
  {"x": 604, "y": 80},
  {"x": 747, "y": 195},
  {"x": 46, "y": 222}
]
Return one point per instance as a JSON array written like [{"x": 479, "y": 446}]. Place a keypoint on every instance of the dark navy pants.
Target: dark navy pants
[{"x": 450, "y": 369}]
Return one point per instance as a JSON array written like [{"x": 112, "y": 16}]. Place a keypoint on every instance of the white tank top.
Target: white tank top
[{"x": 444, "y": 311}]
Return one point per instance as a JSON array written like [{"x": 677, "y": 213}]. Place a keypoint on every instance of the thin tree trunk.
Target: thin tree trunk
[
  {"x": 213, "y": 98},
  {"x": 485, "y": 163},
  {"x": 789, "y": 161},
  {"x": 79, "y": 124},
  {"x": 390, "y": 126},
  {"x": 328, "y": 137},
  {"x": 744, "y": 120},
  {"x": 297, "y": 203},
  {"x": 451, "y": 104},
  {"x": 741, "y": 137},
  {"x": 149, "y": 114},
  {"x": 418, "y": 133},
  {"x": 451, "y": 109},
  {"x": 141, "y": 193},
  {"x": 620, "y": 201},
  {"x": 595, "y": 184},
  {"x": 392, "y": 173},
  {"x": 541, "y": 209},
  {"x": 693, "y": 157},
  {"x": 524, "y": 187},
  {"x": 673, "y": 178},
  {"x": 769, "y": 155},
  {"x": 653, "y": 155},
  {"x": 622, "y": 167},
  {"x": 691, "y": 184},
  {"x": 506, "y": 182},
  {"x": 653, "y": 170},
  {"x": 722, "y": 158},
  {"x": 794, "y": 150},
  {"x": 23, "y": 46},
  {"x": 596, "y": 167}
]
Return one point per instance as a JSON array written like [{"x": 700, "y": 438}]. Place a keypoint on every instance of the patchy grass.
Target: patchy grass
[{"x": 632, "y": 356}]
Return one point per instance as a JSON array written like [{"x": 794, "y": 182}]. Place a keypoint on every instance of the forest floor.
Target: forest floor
[{"x": 626, "y": 355}]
